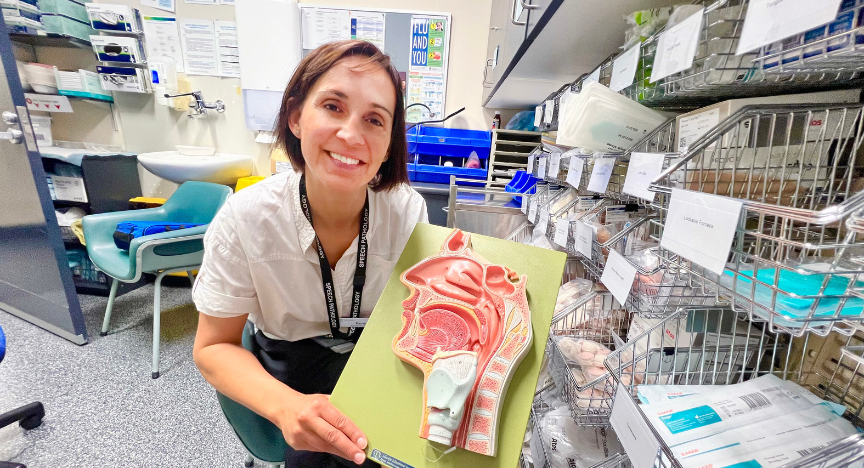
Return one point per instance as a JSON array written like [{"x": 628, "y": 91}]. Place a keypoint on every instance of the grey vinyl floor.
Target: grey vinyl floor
[{"x": 102, "y": 408}]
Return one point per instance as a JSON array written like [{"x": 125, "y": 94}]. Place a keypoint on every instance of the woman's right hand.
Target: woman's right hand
[{"x": 310, "y": 422}]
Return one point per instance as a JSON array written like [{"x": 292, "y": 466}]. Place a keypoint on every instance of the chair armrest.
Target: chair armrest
[
  {"x": 99, "y": 228},
  {"x": 151, "y": 242}
]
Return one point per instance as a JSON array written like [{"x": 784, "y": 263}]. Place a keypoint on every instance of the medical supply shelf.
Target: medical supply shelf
[
  {"x": 50, "y": 40},
  {"x": 719, "y": 346},
  {"x": 510, "y": 149}
]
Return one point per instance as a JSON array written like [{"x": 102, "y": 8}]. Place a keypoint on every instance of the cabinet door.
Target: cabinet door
[
  {"x": 538, "y": 13},
  {"x": 35, "y": 278},
  {"x": 494, "y": 65}
]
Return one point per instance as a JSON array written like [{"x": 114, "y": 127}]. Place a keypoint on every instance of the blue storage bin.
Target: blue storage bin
[
  {"x": 449, "y": 142},
  {"x": 441, "y": 174}
]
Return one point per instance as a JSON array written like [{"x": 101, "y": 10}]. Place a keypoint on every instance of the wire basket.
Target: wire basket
[
  {"x": 587, "y": 389},
  {"x": 717, "y": 72},
  {"x": 719, "y": 346},
  {"x": 793, "y": 170}
]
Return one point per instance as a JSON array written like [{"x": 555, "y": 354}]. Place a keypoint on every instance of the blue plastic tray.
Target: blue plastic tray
[{"x": 451, "y": 142}]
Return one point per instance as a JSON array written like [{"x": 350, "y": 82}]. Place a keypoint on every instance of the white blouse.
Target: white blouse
[{"x": 260, "y": 258}]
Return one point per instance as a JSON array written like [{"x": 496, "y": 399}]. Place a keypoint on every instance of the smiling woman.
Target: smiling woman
[{"x": 281, "y": 252}]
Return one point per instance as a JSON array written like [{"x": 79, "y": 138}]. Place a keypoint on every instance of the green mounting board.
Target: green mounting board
[{"x": 382, "y": 394}]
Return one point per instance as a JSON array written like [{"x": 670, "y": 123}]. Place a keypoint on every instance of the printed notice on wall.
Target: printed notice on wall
[
  {"x": 624, "y": 69},
  {"x": 677, "y": 47},
  {"x": 163, "y": 39},
  {"x": 641, "y": 171},
  {"x": 229, "y": 55},
  {"x": 199, "y": 47},
  {"x": 618, "y": 276},
  {"x": 368, "y": 26},
  {"x": 695, "y": 126},
  {"x": 427, "y": 67},
  {"x": 770, "y": 21},
  {"x": 700, "y": 227},
  {"x": 321, "y": 25},
  {"x": 167, "y": 5}
]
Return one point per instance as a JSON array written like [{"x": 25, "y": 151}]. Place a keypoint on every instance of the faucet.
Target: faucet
[{"x": 198, "y": 105}]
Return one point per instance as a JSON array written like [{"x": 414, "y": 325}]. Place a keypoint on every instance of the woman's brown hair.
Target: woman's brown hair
[{"x": 394, "y": 170}]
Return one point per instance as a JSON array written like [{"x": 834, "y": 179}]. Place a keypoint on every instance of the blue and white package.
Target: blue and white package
[
  {"x": 114, "y": 18},
  {"x": 727, "y": 408},
  {"x": 818, "y": 425},
  {"x": 659, "y": 393}
]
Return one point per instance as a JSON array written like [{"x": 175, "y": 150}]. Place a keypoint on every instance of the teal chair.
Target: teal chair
[
  {"x": 261, "y": 438},
  {"x": 160, "y": 254}
]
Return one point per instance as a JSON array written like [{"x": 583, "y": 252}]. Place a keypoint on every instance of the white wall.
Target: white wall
[{"x": 149, "y": 127}]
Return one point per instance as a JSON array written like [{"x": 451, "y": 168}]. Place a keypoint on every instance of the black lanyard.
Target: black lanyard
[{"x": 327, "y": 276}]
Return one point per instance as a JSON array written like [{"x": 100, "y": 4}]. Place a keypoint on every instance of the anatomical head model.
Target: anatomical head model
[{"x": 467, "y": 326}]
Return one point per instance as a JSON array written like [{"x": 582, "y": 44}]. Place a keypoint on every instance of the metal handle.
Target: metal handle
[
  {"x": 10, "y": 118},
  {"x": 14, "y": 135},
  {"x": 528, "y": 6},
  {"x": 513, "y": 11},
  {"x": 487, "y": 84}
]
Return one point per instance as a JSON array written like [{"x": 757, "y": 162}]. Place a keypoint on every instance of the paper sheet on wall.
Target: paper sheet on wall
[
  {"x": 199, "y": 47},
  {"x": 260, "y": 68},
  {"x": 427, "y": 67},
  {"x": 227, "y": 2},
  {"x": 229, "y": 55},
  {"x": 368, "y": 27},
  {"x": 163, "y": 39},
  {"x": 202, "y": 2},
  {"x": 320, "y": 26},
  {"x": 167, "y": 5}
]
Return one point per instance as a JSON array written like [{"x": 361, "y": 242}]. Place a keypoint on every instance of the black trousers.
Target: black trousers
[{"x": 308, "y": 368}]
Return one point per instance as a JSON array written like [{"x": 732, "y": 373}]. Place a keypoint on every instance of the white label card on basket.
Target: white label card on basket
[
  {"x": 532, "y": 212},
  {"x": 541, "y": 167},
  {"x": 769, "y": 21},
  {"x": 601, "y": 174},
  {"x": 525, "y": 202},
  {"x": 549, "y": 111},
  {"x": 530, "y": 168},
  {"x": 574, "y": 174},
  {"x": 543, "y": 218},
  {"x": 624, "y": 69},
  {"x": 642, "y": 169},
  {"x": 583, "y": 238},
  {"x": 594, "y": 77},
  {"x": 538, "y": 115},
  {"x": 554, "y": 165},
  {"x": 639, "y": 442},
  {"x": 618, "y": 276},
  {"x": 700, "y": 227},
  {"x": 562, "y": 229},
  {"x": 677, "y": 47},
  {"x": 695, "y": 126}
]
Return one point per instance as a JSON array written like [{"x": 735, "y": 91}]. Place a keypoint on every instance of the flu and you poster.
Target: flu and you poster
[{"x": 427, "y": 68}]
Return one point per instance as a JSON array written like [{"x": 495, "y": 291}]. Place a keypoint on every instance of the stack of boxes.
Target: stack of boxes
[
  {"x": 22, "y": 16},
  {"x": 66, "y": 17},
  {"x": 81, "y": 83},
  {"x": 124, "y": 65}
]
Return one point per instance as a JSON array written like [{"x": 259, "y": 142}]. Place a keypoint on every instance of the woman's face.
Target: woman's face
[{"x": 345, "y": 125}]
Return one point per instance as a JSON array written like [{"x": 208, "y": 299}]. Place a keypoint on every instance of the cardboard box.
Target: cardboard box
[{"x": 691, "y": 126}]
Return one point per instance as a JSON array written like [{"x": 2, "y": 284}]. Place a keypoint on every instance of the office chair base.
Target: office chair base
[
  {"x": 11, "y": 465},
  {"x": 249, "y": 462},
  {"x": 103, "y": 333},
  {"x": 155, "y": 375},
  {"x": 28, "y": 416}
]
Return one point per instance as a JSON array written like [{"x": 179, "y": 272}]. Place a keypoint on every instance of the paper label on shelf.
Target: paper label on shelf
[
  {"x": 639, "y": 442},
  {"x": 549, "y": 109},
  {"x": 47, "y": 103},
  {"x": 538, "y": 115},
  {"x": 541, "y": 167},
  {"x": 199, "y": 47},
  {"x": 594, "y": 77},
  {"x": 770, "y": 21},
  {"x": 526, "y": 201},
  {"x": 562, "y": 229},
  {"x": 700, "y": 227},
  {"x": 624, "y": 69},
  {"x": 574, "y": 174},
  {"x": 543, "y": 218},
  {"x": 583, "y": 238},
  {"x": 695, "y": 126},
  {"x": 601, "y": 174},
  {"x": 618, "y": 276},
  {"x": 532, "y": 213},
  {"x": 642, "y": 169},
  {"x": 554, "y": 165},
  {"x": 162, "y": 39},
  {"x": 677, "y": 47},
  {"x": 69, "y": 188},
  {"x": 530, "y": 168}
]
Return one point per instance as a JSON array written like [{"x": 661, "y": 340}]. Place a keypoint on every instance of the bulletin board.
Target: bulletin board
[{"x": 418, "y": 43}]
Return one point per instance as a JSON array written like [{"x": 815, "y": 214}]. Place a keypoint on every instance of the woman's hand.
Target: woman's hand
[{"x": 310, "y": 422}]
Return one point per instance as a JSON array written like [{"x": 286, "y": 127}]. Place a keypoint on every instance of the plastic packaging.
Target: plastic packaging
[
  {"x": 473, "y": 161},
  {"x": 523, "y": 120},
  {"x": 569, "y": 445},
  {"x": 572, "y": 291}
]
